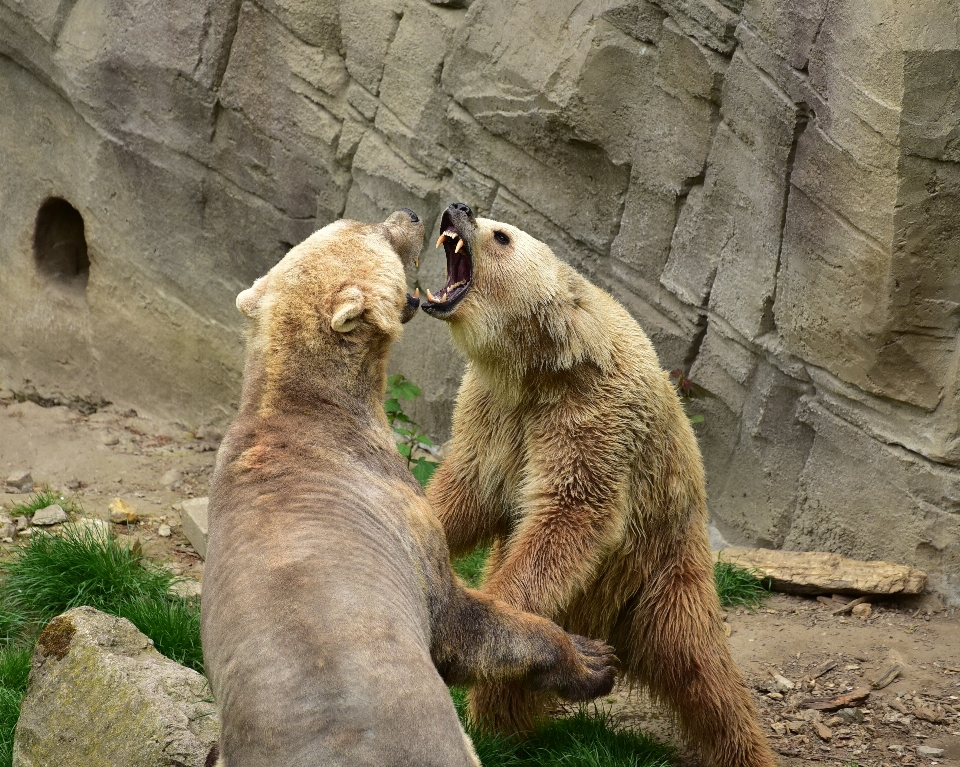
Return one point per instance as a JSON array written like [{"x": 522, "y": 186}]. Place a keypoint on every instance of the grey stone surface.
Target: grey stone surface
[
  {"x": 51, "y": 515},
  {"x": 193, "y": 518},
  {"x": 21, "y": 479},
  {"x": 772, "y": 188},
  {"x": 100, "y": 694}
]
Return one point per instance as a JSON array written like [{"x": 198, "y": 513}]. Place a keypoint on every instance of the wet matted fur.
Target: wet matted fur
[{"x": 572, "y": 453}]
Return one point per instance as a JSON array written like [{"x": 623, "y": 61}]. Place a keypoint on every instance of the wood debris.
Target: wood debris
[
  {"x": 889, "y": 674},
  {"x": 846, "y": 700}
]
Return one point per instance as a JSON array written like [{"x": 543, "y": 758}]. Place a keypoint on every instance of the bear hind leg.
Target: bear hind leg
[{"x": 679, "y": 652}]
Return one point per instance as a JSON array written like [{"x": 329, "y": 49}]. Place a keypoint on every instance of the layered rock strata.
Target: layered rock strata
[{"x": 771, "y": 187}]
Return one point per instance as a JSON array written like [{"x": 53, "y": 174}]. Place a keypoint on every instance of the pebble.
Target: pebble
[
  {"x": 850, "y": 715},
  {"x": 20, "y": 479},
  {"x": 862, "y": 611},
  {"x": 51, "y": 515},
  {"x": 929, "y": 751},
  {"x": 209, "y": 433},
  {"x": 122, "y": 513},
  {"x": 22, "y": 524},
  {"x": 7, "y": 532},
  {"x": 6, "y": 395},
  {"x": 928, "y": 714},
  {"x": 186, "y": 588},
  {"x": 111, "y": 439},
  {"x": 164, "y": 531},
  {"x": 782, "y": 683}
]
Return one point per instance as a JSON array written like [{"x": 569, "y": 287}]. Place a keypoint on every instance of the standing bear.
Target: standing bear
[
  {"x": 572, "y": 454},
  {"x": 331, "y": 618}
]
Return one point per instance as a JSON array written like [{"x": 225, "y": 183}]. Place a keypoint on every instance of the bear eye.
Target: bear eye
[{"x": 501, "y": 237}]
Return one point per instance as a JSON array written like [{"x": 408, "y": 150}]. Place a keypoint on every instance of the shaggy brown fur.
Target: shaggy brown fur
[
  {"x": 572, "y": 453},
  {"x": 329, "y": 605}
]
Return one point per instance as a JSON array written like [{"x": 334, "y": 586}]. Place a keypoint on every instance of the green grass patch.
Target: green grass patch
[
  {"x": 470, "y": 566},
  {"x": 173, "y": 623},
  {"x": 14, "y": 670},
  {"x": 80, "y": 566},
  {"x": 587, "y": 738},
  {"x": 52, "y": 573},
  {"x": 738, "y": 586},
  {"x": 42, "y": 499}
]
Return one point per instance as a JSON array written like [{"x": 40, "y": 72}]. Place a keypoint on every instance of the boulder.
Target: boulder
[{"x": 100, "y": 694}]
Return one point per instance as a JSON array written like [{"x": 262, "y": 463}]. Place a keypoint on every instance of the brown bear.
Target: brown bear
[
  {"x": 571, "y": 452},
  {"x": 331, "y": 618}
]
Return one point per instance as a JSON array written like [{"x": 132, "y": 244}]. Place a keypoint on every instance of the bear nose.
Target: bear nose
[
  {"x": 413, "y": 216},
  {"x": 463, "y": 208}
]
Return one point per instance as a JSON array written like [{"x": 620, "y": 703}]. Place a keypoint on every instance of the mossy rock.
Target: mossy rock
[{"x": 100, "y": 694}]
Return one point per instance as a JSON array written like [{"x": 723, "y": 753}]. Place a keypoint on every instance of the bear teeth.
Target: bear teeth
[
  {"x": 459, "y": 246},
  {"x": 451, "y": 233},
  {"x": 443, "y": 238},
  {"x": 430, "y": 297}
]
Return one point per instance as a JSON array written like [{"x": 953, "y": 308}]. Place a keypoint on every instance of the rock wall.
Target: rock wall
[{"x": 772, "y": 187}]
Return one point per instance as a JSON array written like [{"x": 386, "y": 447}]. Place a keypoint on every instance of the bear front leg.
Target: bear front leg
[
  {"x": 453, "y": 494},
  {"x": 573, "y": 513},
  {"x": 479, "y": 639}
]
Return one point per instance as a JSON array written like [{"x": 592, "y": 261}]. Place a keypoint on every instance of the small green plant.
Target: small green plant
[
  {"x": 411, "y": 438},
  {"x": 173, "y": 623},
  {"x": 689, "y": 391},
  {"x": 43, "y": 498},
  {"x": 738, "y": 586}
]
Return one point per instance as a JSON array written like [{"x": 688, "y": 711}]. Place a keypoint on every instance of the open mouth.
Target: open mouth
[{"x": 459, "y": 271}]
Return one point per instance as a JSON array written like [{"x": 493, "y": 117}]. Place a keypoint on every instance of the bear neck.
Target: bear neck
[
  {"x": 287, "y": 379},
  {"x": 538, "y": 352}
]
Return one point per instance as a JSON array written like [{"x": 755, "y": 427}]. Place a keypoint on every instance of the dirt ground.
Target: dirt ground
[{"x": 154, "y": 465}]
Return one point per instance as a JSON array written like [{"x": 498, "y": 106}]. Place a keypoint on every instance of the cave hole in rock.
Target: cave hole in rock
[{"x": 59, "y": 244}]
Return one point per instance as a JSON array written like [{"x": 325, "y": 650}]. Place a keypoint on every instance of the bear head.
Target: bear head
[
  {"x": 328, "y": 311},
  {"x": 508, "y": 299}
]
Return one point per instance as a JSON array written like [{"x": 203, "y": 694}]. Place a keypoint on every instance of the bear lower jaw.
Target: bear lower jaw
[
  {"x": 410, "y": 308},
  {"x": 441, "y": 307}
]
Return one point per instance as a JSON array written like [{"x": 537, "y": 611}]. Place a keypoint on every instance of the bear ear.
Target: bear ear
[
  {"x": 249, "y": 300},
  {"x": 347, "y": 306}
]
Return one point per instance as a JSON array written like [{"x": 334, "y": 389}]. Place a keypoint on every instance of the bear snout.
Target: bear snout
[
  {"x": 413, "y": 216},
  {"x": 404, "y": 231}
]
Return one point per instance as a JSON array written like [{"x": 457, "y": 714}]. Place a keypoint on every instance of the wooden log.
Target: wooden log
[{"x": 819, "y": 572}]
